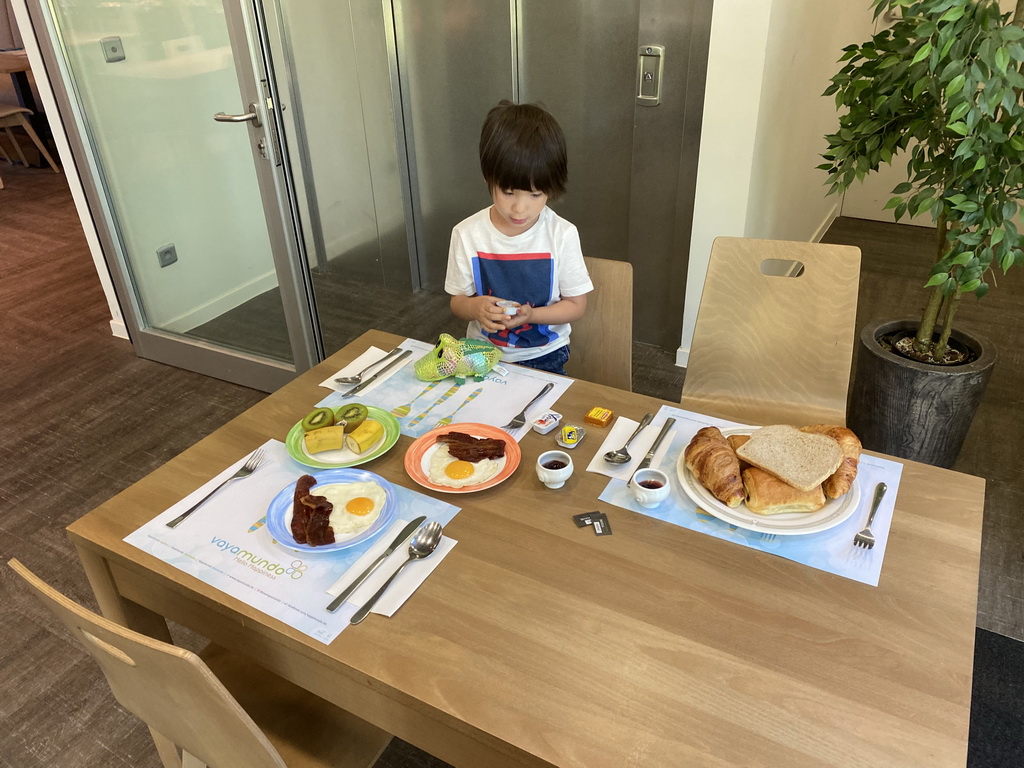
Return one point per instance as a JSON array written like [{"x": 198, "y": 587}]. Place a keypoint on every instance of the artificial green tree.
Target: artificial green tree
[{"x": 944, "y": 80}]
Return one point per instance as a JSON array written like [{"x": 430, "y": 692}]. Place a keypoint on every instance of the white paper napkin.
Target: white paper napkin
[
  {"x": 369, "y": 357},
  {"x": 401, "y": 588},
  {"x": 617, "y": 437}
]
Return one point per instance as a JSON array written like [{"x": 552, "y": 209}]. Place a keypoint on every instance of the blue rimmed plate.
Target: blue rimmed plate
[{"x": 279, "y": 513}]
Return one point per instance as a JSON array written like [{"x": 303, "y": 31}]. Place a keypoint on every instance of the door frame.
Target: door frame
[{"x": 273, "y": 175}]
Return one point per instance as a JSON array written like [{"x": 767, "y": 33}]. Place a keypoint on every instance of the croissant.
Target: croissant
[
  {"x": 713, "y": 462},
  {"x": 840, "y": 481}
]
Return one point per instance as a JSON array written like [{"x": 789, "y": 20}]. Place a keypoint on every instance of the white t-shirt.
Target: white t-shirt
[{"x": 538, "y": 267}]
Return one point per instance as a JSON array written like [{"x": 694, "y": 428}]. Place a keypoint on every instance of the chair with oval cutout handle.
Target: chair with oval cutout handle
[{"x": 773, "y": 341}]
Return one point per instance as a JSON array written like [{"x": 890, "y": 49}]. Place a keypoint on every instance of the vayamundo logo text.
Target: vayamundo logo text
[{"x": 260, "y": 564}]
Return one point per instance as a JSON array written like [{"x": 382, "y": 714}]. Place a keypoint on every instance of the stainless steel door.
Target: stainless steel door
[
  {"x": 455, "y": 59},
  {"x": 632, "y": 168}
]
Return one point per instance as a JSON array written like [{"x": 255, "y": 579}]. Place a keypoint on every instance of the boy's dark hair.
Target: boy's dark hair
[{"x": 523, "y": 147}]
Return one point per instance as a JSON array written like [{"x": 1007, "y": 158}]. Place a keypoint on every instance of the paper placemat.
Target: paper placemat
[
  {"x": 831, "y": 550},
  {"x": 225, "y": 544},
  {"x": 420, "y": 406}
]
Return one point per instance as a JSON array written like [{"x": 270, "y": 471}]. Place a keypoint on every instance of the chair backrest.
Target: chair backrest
[
  {"x": 773, "y": 342},
  {"x": 169, "y": 688},
  {"x": 602, "y": 340}
]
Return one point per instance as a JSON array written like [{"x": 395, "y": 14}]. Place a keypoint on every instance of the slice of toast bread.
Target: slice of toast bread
[{"x": 800, "y": 459}]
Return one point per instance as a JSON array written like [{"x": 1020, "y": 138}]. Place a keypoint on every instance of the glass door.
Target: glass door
[{"x": 177, "y": 142}]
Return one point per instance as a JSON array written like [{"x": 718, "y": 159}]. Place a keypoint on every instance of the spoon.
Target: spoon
[
  {"x": 422, "y": 545},
  {"x": 622, "y": 456},
  {"x": 359, "y": 376}
]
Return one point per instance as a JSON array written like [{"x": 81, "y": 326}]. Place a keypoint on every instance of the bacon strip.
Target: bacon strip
[
  {"x": 472, "y": 449},
  {"x": 300, "y": 512},
  {"x": 311, "y": 515}
]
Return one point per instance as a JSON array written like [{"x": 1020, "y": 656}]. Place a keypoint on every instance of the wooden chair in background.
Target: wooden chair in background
[
  {"x": 773, "y": 342},
  {"x": 602, "y": 341},
  {"x": 13, "y": 116},
  {"x": 209, "y": 707}
]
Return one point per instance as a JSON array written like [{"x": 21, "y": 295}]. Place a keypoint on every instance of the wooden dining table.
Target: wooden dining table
[{"x": 538, "y": 643}]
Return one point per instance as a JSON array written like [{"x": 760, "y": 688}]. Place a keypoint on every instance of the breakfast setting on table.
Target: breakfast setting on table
[{"x": 305, "y": 531}]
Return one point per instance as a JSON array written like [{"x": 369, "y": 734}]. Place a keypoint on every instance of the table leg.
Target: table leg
[
  {"x": 115, "y": 607},
  {"x": 167, "y": 750}
]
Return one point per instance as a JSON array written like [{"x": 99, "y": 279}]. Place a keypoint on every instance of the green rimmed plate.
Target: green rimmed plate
[{"x": 343, "y": 457}]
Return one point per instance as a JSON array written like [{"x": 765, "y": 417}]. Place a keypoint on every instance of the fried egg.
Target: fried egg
[
  {"x": 356, "y": 505},
  {"x": 448, "y": 471}
]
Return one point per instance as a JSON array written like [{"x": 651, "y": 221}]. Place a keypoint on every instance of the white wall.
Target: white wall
[{"x": 764, "y": 126}]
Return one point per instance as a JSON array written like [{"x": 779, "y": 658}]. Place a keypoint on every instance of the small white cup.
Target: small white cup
[
  {"x": 650, "y": 487},
  {"x": 554, "y": 477}
]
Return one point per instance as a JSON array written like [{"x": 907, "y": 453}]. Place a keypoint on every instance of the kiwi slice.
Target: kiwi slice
[
  {"x": 320, "y": 417},
  {"x": 352, "y": 415}
]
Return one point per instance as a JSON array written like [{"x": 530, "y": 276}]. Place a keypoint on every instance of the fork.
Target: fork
[
  {"x": 520, "y": 420},
  {"x": 865, "y": 539},
  {"x": 247, "y": 469},
  {"x": 448, "y": 419},
  {"x": 402, "y": 411},
  {"x": 448, "y": 393}
]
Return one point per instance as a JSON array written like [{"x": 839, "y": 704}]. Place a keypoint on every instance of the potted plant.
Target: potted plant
[{"x": 943, "y": 82}]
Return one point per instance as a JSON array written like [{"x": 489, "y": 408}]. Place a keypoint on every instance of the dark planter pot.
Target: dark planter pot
[{"x": 914, "y": 410}]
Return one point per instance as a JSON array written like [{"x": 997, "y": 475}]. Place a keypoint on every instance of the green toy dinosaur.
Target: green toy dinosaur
[{"x": 460, "y": 358}]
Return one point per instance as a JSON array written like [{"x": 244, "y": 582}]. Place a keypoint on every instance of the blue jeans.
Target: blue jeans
[{"x": 552, "y": 362}]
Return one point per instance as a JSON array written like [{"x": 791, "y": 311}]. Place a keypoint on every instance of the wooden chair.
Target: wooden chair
[
  {"x": 188, "y": 701},
  {"x": 13, "y": 116},
  {"x": 773, "y": 342},
  {"x": 602, "y": 341}
]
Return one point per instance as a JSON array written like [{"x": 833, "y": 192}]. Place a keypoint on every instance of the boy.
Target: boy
[{"x": 518, "y": 250}]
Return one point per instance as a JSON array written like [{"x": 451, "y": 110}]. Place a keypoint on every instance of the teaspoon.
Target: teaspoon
[
  {"x": 359, "y": 376},
  {"x": 422, "y": 545},
  {"x": 622, "y": 456}
]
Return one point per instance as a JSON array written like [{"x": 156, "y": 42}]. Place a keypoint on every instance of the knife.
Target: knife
[
  {"x": 405, "y": 534},
  {"x": 646, "y": 461},
  {"x": 378, "y": 374},
  {"x": 388, "y": 356}
]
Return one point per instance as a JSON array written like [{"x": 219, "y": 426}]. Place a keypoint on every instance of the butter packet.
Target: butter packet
[{"x": 546, "y": 422}]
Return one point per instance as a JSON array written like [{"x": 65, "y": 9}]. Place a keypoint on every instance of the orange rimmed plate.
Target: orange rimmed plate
[{"x": 417, "y": 458}]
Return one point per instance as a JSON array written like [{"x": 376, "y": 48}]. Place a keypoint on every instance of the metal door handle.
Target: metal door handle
[
  {"x": 250, "y": 116},
  {"x": 649, "y": 70}
]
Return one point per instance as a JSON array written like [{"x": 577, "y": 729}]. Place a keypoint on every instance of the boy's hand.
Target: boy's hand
[
  {"x": 483, "y": 309},
  {"x": 521, "y": 317}
]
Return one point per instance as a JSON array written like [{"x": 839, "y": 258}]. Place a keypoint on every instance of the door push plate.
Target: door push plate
[
  {"x": 112, "y": 49},
  {"x": 649, "y": 69}
]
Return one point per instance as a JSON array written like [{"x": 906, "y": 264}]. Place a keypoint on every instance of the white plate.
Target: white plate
[{"x": 832, "y": 514}]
